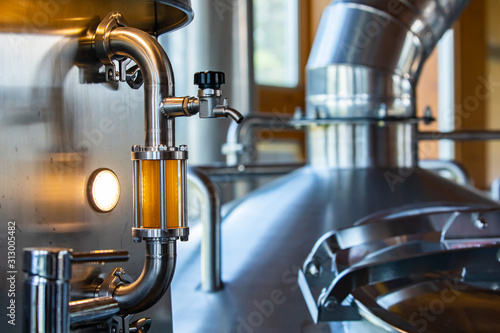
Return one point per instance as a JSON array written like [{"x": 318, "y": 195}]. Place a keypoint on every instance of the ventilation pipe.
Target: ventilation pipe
[{"x": 362, "y": 73}]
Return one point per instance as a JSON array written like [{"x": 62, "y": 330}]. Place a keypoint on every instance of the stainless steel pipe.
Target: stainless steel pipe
[
  {"x": 482, "y": 135},
  {"x": 361, "y": 78},
  {"x": 91, "y": 311},
  {"x": 155, "y": 278},
  {"x": 229, "y": 173},
  {"x": 350, "y": 145},
  {"x": 46, "y": 290},
  {"x": 100, "y": 256},
  {"x": 158, "y": 75},
  {"x": 237, "y": 139},
  {"x": 208, "y": 195},
  {"x": 367, "y": 56}
]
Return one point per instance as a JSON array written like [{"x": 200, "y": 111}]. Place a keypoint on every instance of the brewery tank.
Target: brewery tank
[{"x": 362, "y": 145}]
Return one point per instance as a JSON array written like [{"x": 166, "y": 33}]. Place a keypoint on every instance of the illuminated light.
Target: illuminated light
[{"x": 103, "y": 190}]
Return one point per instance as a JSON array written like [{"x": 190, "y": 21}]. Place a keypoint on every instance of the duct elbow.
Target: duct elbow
[{"x": 367, "y": 64}]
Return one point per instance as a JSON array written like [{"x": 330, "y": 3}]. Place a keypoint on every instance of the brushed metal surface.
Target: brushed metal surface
[
  {"x": 72, "y": 17},
  {"x": 346, "y": 145},
  {"x": 267, "y": 237},
  {"x": 55, "y": 133}
]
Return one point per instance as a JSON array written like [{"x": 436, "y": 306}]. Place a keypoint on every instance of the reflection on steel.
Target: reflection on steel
[
  {"x": 152, "y": 284},
  {"x": 229, "y": 173},
  {"x": 238, "y": 138},
  {"x": 482, "y": 135},
  {"x": 208, "y": 195},
  {"x": 48, "y": 309},
  {"x": 92, "y": 311},
  {"x": 458, "y": 171},
  {"x": 72, "y": 17},
  {"x": 303, "y": 205},
  {"x": 100, "y": 256},
  {"x": 46, "y": 290},
  {"x": 354, "y": 144}
]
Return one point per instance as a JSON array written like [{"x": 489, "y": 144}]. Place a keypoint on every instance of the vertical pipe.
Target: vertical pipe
[
  {"x": 446, "y": 93},
  {"x": 208, "y": 194},
  {"x": 170, "y": 132},
  {"x": 46, "y": 290},
  {"x": 157, "y": 72}
]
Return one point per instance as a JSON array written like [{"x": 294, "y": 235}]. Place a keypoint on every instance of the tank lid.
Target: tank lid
[
  {"x": 173, "y": 14},
  {"x": 75, "y": 17}
]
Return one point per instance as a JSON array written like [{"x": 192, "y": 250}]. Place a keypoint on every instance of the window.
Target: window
[{"x": 276, "y": 49}]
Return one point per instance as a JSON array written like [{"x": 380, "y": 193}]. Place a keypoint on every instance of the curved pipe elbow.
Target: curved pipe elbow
[
  {"x": 154, "y": 281},
  {"x": 147, "y": 53},
  {"x": 157, "y": 72}
]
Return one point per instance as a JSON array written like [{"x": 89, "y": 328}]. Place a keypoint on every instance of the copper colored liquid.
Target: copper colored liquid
[{"x": 151, "y": 215}]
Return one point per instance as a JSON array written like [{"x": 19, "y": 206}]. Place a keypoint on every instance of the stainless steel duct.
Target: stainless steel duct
[
  {"x": 361, "y": 78},
  {"x": 367, "y": 56}
]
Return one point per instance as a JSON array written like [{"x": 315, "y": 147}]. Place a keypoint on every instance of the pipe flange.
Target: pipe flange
[
  {"x": 143, "y": 233},
  {"x": 116, "y": 277},
  {"x": 100, "y": 41},
  {"x": 160, "y": 153}
]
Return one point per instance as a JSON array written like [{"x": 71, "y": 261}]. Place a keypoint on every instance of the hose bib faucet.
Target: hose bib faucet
[
  {"x": 209, "y": 104},
  {"x": 212, "y": 104}
]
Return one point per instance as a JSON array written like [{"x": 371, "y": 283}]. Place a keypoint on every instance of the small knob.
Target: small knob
[{"x": 209, "y": 79}]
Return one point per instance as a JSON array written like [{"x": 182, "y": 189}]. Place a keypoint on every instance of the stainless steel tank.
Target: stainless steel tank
[
  {"x": 57, "y": 130},
  {"x": 362, "y": 165}
]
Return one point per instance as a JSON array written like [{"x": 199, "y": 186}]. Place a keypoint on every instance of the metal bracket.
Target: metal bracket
[
  {"x": 101, "y": 43},
  {"x": 116, "y": 277},
  {"x": 122, "y": 324},
  {"x": 134, "y": 77}
]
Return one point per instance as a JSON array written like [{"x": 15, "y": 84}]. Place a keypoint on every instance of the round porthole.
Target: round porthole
[{"x": 103, "y": 190}]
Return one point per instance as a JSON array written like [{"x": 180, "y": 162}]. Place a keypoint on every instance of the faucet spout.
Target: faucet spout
[{"x": 225, "y": 111}]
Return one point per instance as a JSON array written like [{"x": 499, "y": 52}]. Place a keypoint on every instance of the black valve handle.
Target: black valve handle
[{"x": 209, "y": 79}]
